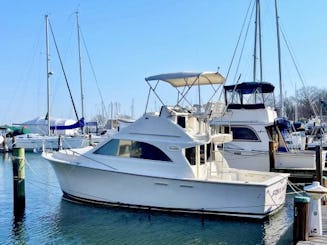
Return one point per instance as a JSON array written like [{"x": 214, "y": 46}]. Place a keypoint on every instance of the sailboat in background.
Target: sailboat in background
[
  {"x": 51, "y": 133},
  {"x": 115, "y": 122},
  {"x": 96, "y": 132}
]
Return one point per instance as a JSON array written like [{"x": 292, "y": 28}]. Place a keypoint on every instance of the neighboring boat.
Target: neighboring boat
[
  {"x": 317, "y": 137},
  {"x": 37, "y": 142},
  {"x": 253, "y": 121},
  {"x": 50, "y": 133},
  {"x": 58, "y": 126},
  {"x": 316, "y": 129},
  {"x": 169, "y": 161},
  {"x": 64, "y": 134},
  {"x": 250, "y": 112}
]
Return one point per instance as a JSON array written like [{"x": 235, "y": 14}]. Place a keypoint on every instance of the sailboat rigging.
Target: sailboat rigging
[{"x": 80, "y": 122}]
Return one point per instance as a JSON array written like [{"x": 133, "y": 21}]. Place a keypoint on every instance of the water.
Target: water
[{"x": 49, "y": 219}]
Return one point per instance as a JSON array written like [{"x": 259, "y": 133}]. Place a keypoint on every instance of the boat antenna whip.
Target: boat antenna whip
[{"x": 63, "y": 70}]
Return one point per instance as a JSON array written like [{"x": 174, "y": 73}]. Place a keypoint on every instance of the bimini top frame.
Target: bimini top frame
[{"x": 186, "y": 80}]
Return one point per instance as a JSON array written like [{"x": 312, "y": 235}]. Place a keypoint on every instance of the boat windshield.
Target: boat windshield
[
  {"x": 132, "y": 149},
  {"x": 249, "y": 95}
]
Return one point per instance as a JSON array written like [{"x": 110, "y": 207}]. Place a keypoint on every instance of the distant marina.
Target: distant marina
[
  {"x": 219, "y": 160},
  {"x": 89, "y": 175}
]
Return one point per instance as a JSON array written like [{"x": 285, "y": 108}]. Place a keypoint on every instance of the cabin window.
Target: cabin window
[
  {"x": 132, "y": 149},
  {"x": 244, "y": 134},
  {"x": 111, "y": 148},
  {"x": 241, "y": 133},
  {"x": 181, "y": 121},
  {"x": 190, "y": 155}
]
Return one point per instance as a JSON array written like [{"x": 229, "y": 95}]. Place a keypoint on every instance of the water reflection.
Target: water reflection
[
  {"x": 49, "y": 219},
  {"x": 18, "y": 228},
  {"x": 84, "y": 224},
  {"x": 5, "y": 156}
]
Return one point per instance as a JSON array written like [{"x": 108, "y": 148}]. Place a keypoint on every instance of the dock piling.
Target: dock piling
[
  {"x": 324, "y": 184},
  {"x": 319, "y": 172},
  {"x": 271, "y": 156},
  {"x": 301, "y": 219},
  {"x": 18, "y": 162},
  {"x": 59, "y": 143}
]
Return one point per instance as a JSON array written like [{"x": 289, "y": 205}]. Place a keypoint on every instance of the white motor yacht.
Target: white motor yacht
[
  {"x": 169, "y": 161},
  {"x": 251, "y": 117}
]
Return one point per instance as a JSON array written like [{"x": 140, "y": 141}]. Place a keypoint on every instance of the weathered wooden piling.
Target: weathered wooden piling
[
  {"x": 18, "y": 163},
  {"x": 272, "y": 159},
  {"x": 319, "y": 173},
  {"x": 59, "y": 143},
  {"x": 324, "y": 184},
  {"x": 301, "y": 219}
]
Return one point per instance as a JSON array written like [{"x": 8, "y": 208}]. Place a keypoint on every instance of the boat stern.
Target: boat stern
[{"x": 275, "y": 194}]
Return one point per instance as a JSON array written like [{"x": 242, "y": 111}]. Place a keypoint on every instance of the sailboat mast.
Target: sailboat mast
[
  {"x": 279, "y": 63},
  {"x": 296, "y": 112},
  {"x": 260, "y": 43},
  {"x": 48, "y": 72},
  {"x": 255, "y": 43},
  {"x": 80, "y": 66}
]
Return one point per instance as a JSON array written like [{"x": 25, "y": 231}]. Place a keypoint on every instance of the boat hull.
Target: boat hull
[
  {"x": 259, "y": 160},
  {"x": 179, "y": 195},
  {"x": 249, "y": 160},
  {"x": 37, "y": 143}
]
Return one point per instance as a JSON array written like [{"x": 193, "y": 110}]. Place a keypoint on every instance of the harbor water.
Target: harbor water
[{"x": 50, "y": 219}]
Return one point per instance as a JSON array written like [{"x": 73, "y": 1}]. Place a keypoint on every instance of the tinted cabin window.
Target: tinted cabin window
[
  {"x": 147, "y": 151},
  {"x": 133, "y": 149},
  {"x": 190, "y": 155},
  {"x": 181, "y": 121},
  {"x": 226, "y": 130},
  {"x": 111, "y": 148},
  {"x": 242, "y": 133}
]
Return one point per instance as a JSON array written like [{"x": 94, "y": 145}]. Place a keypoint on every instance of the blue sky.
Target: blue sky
[{"x": 130, "y": 40}]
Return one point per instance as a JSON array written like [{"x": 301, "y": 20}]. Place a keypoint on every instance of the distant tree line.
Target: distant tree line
[{"x": 306, "y": 100}]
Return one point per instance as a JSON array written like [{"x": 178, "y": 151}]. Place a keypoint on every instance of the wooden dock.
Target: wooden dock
[{"x": 319, "y": 240}]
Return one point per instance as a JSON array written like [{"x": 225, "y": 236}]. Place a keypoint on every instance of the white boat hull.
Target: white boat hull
[
  {"x": 298, "y": 160},
  {"x": 259, "y": 160},
  {"x": 214, "y": 196},
  {"x": 31, "y": 143},
  {"x": 249, "y": 160}
]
